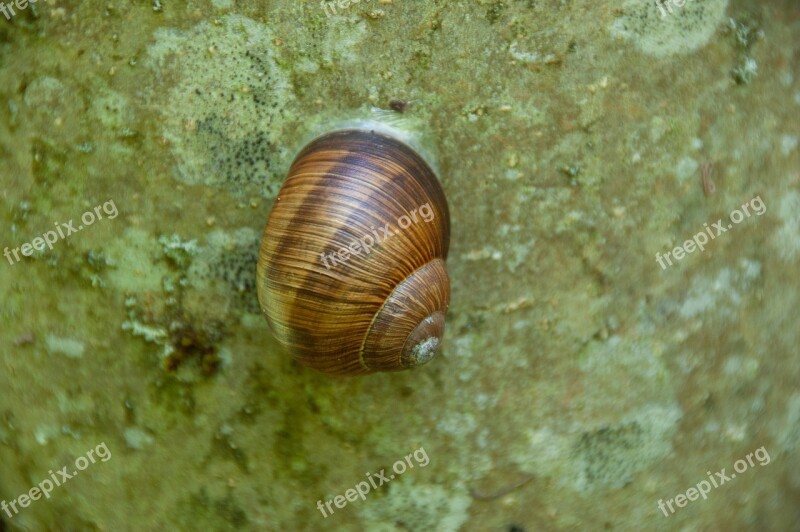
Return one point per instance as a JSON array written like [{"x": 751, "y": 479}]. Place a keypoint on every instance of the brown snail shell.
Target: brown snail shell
[{"x": 377, "y": 310}]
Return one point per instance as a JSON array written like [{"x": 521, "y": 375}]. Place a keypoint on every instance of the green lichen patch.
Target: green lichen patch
[
  {"x": 638, "y": 362},
  {"x": 178, "y": 252},
  {"x": 662, "y": 28},
  {"x": 230, "y": 258},
  {"x": 786, "y": 240},
  {"x": 604, "y": 453},
  {"x": 225, "y": 127},
  {"x": 608, "y": 456}
]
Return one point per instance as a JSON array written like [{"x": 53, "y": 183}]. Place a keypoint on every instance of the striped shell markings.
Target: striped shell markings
[{"x": 351, "y": 274}]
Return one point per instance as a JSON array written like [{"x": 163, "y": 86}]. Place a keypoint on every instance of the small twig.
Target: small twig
[
  {"x": 504, "y": 491},
  {"x": 706, "y": 173}
]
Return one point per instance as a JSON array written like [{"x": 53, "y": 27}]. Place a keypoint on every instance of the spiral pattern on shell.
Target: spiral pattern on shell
[{"x": 380, "y": 310}]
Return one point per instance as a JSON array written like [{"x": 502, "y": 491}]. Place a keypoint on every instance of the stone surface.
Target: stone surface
[{"x": 579, "y": 382}]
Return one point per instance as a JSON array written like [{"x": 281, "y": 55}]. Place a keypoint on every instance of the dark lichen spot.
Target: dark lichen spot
[
  {"x": 606, "y": 454},
  {"x": 239, "y": 162},
  {"x": 194, "y": 343},
  {"x": 495, "y": 11},
  {"x": 236, "y": 267},
  {"x": 398, "y": 105}
]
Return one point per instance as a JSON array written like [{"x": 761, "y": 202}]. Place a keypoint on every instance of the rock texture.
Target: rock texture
[{"x": 580, "y": 382}]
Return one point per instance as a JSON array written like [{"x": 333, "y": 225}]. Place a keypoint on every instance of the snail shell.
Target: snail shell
[{"x": 376, "y": 310}]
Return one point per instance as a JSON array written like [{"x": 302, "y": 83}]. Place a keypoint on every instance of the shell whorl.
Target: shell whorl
[{"x": 380, "y": 310}]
